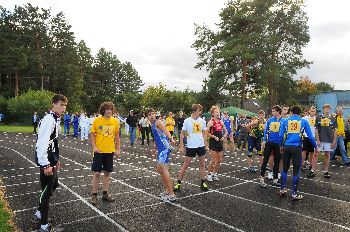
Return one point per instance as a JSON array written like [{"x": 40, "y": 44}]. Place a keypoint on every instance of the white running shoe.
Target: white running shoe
[
  {"x": 270, "y": 175},
  {"x": 210, "y": 177},
  {"x": 215, "y": 177}
]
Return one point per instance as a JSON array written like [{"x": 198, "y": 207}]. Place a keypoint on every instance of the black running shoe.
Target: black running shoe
[
  {"x": 326, "y": 175},
  {"x": 311, "y": 174}
]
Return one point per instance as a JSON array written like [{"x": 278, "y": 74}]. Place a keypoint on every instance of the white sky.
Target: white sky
[{"x": 156, "y": 35}]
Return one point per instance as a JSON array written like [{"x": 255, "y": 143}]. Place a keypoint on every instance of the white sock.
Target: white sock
[
  {"x": 38, "y": 214},
  {"x": 44, "y": 227}
]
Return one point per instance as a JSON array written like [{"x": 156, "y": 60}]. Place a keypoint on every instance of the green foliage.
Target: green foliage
[
  {"x": 161, "y": 99},
  {"x": 324, "y": 87},
  {"x": 257, "y": 48},
  {"x": 21, "y": 108},
  {"x": 39, "y": 51},
  {"x": 3, "y": 105}
]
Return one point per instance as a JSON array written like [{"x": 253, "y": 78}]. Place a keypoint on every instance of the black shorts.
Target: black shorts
[
  {"x": 192, "y": 152},
  {"x": 307, "y": 145},
  {"x": 216, "y": 145},
  {"x": 102, "y": 162}
]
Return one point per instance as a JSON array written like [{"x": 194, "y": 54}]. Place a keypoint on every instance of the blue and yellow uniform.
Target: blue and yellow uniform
[
  {"x": 162, "y": 144},
  {"x": 290, "y": 137},
  {"x": 271, "y": 140},
  {"x": 255, "y": 136}
]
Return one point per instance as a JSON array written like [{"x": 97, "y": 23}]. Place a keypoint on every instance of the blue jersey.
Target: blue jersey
[
  {"x": 272, "y": 129},
  {"x": 160, "y": 139},
  {"x": 227, "y": 123},
  {"x": 292, "y": 130}
]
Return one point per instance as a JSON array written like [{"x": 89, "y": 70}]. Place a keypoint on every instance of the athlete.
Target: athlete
[
  {"x": 195, "y": 129},
  {"x": 47, "y": 158},
  {"x": 162, "y": 137},
  {"x": 271, "y": 144},
  {"x": 255, "y": 135},
  {"x": 170, "y": 123},
  {"x": 290, "y": 137},
  {"x": 308, "y": 149},
  {"x": 228, "y": 122},
  {"x": 326, "y": 136},
  {"x": 105, "y": 142},
  {"x": 217, "y": 133}
]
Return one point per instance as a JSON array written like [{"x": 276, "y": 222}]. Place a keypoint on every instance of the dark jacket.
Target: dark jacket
[{"x": 131, "y": 120}]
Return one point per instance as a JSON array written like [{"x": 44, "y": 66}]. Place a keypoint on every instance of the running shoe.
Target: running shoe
[
  {"x": 210, "y": 177},
  {"x": 326, "y": 175},
  {"x": 262, "y": 183},
  {"x": 93, "y": 200},
  {"x": 297, "y": 197},
  {"x": 163, "y": 194},
  {"x": 215, "y": 177},
  {"x": 283, "y": 192},
  {"x": 50, "y": 228},
  {"x": 276, "y": 183},
  {"x": 107, "y": 198},
  {"x": 177, "y": 187},
  {"x": 252, "y": 170},
  {"x": 305, "y": 167},
  {"x": 168, "y": 198},
  {"x": 270, "y": 175},
  {"x": 311, "y": 174},
  {"x": 204, "y": 186}
]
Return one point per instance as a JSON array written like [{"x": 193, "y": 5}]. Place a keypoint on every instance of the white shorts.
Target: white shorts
[{"x": 325, "y": 147}]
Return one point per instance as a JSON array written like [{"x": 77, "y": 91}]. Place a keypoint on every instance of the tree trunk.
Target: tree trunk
[
  {"x": 40, "y": 65},
  {"x": 244, "y": 83},
  {"x": 17, "y": 83},
  {"x": 270, "y": 89}
]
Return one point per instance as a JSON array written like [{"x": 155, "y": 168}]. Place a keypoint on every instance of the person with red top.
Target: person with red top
[{"x": 217, "y": 133}]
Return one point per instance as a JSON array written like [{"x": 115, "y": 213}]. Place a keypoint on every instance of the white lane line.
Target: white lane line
[
  {"x": 311, "y": 194},
  {"x": 284, "y": 210},
  {"x": 153, "y": 196},
  {"x": 33, "y": 208},
  {"x": 99, "y": 212}
]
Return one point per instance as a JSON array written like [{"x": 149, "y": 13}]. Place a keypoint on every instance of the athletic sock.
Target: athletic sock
[
  {"x": 94, "y": 194},
  {"x": 104, "y": 193},
  {"x": 179, "y": 181}
]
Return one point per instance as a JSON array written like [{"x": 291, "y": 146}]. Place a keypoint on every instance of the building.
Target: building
[{"x": 334, "y": 98}]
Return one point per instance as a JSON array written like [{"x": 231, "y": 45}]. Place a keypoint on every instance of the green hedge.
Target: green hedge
[{"x": 21, "y": 108}]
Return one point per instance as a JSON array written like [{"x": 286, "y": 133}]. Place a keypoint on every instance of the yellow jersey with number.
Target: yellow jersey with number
[{"x": 105, "y": 130}]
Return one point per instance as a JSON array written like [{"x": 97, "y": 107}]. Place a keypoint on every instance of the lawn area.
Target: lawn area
[
  {"x": 6, "y": 223},
  {"x": 16, "y": 128},
  {"x": 29, "y": 129}
]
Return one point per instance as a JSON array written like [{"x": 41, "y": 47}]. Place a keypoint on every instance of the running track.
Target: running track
[{"x": 235, "y": 203}]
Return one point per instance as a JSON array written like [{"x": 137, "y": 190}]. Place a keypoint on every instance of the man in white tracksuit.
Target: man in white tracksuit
[{"x": 84, "y": 127}]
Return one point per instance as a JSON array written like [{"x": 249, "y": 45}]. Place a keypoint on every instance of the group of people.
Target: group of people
[{"x": 279, "y": 141}]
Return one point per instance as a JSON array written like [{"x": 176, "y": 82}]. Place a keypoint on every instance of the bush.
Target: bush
[
  {"x": 3, "y": 104},
  {"x": 21, "y": 108}
]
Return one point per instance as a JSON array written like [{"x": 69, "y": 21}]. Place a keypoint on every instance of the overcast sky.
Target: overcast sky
[{"x": 156, "y": 35}]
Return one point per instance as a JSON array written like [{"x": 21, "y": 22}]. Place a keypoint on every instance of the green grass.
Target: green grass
[
  {"x": 29, "y": 129},
  {"x": 16, "y": 128},
  {"x": 6, "y": 223}
]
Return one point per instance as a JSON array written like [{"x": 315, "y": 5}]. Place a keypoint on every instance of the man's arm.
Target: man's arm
[
  {"x": 45, "y": 130},
  {"x": 93, "y": 142},
  {"x": 117, "y": 142}
]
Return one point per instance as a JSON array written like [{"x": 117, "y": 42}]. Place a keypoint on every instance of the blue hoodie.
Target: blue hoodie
[
  {"x": 272, "y": 128},
  {"x": 292, "y": 130}
]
